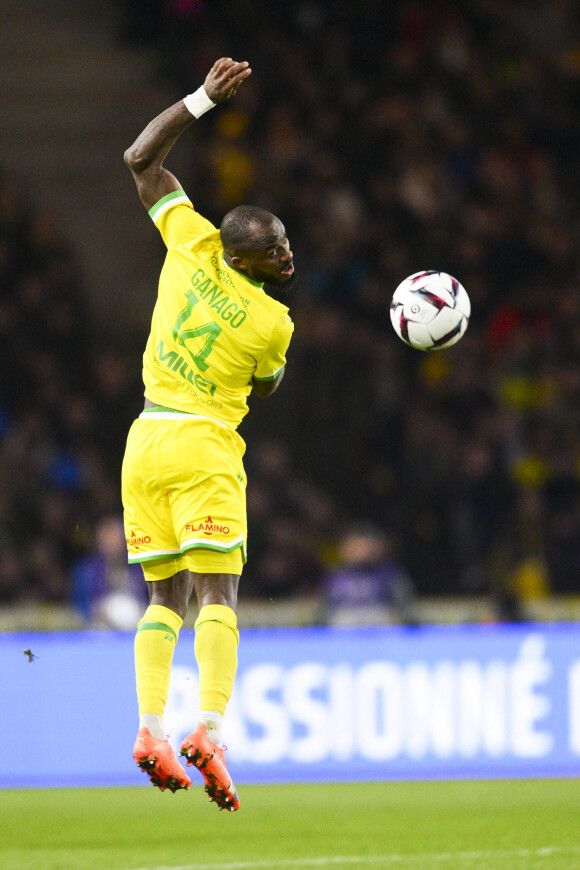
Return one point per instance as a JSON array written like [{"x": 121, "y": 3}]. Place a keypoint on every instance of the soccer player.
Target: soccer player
[{"x": 216, "y": 336}]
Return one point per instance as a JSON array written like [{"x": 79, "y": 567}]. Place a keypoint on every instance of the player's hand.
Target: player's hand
[{"x": 224, "y": 78}]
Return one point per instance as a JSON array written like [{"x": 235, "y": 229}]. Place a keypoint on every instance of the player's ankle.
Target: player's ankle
[
  {"x": 155, "y": 725},
  {"x": 213, "y": 722}
]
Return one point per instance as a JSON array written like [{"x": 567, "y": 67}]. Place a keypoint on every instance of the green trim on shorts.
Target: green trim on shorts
[
  {"x": 136, "y": 558},
  {"x": 159, "y": 626},
  {"x": 219, "y": 548}
]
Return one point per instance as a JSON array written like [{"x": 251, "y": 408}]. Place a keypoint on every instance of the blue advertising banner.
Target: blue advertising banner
[{"x": 309, "y": 705}]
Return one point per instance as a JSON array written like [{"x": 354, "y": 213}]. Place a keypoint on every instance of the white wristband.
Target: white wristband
[{"x": 198, "y": 103}]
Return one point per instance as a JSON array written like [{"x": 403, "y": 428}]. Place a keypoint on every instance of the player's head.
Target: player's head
[{"x": 256, "y": 245}]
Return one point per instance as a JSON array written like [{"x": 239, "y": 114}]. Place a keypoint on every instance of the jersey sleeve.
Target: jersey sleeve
[
  {"x": 177, "y": 220},
  {"x": 274, "y": 358}
]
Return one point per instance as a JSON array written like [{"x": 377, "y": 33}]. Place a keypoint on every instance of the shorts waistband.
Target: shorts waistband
[{"x": 158, "y": 412}]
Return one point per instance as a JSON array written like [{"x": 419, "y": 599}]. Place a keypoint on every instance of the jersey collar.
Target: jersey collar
[{"x": 241, "y": 274}]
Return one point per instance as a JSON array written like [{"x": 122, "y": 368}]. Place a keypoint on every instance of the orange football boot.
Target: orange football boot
[
  {"x": 210, "y": 761},
  {"x": 157, "y": 759}
]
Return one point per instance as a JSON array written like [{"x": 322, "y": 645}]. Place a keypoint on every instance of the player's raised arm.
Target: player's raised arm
[{"x": 146, "y": 155}]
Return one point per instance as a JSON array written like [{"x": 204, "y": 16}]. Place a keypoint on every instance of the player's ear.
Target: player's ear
[{"x": 239, "y": 263}]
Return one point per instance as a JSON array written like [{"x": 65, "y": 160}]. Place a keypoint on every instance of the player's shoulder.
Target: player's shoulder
[
  {"x": 269, "y": 303},
  {"x": 175, "y": 217},
  {"x": 268, "y": 313},
  {"x": 168, "y": 203},
  {"x": 275, "y": 306}
]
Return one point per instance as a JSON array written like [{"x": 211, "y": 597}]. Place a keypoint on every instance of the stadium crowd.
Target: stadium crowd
[{"x": 390, "y": 138}]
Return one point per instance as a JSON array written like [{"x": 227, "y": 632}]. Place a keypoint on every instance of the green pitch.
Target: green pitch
[{"x": 489, "y": 825}]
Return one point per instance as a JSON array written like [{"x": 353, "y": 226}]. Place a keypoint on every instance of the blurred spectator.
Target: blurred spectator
[
  {"x": 105, "y": 589},
  {"x": 367, "y": 586}
]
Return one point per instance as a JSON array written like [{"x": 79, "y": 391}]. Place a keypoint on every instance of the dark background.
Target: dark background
[{"x": 389, "y": 138}]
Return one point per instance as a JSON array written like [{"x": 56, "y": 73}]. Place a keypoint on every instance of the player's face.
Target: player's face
[{"x": 271, "y": 263}]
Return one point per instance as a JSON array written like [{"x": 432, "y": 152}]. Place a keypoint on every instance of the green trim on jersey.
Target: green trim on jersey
[
  {"x": 269, "y": 377},
  {"x": 157, "y": 408},
  {"x": 169, "y": 199}
]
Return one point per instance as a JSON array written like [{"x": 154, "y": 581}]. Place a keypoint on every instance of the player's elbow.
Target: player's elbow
[
  {"x": 266, "y": 388},
  {"x": 135, "y": 160},
  {"x": 263, "y": 389}
]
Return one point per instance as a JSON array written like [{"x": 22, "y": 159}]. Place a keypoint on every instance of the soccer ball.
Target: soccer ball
[{"x": 430, "y": 310}]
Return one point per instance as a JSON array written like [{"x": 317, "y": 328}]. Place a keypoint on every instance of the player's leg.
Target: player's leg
[
  {"x": 216, "y": 647},
  {"x": 157, "y": 635},
  {"x": 209, "y": 517},
  {"x": 216, "y": 651},
  {"x": 152, "y": 542},
  {"x": 155, "y": 641},
  {"x": 216, "y": 643},
  {"x": 199, "y": 513}
]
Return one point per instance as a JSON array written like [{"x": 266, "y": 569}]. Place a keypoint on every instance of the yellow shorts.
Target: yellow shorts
[{"x": 184, "y": 495}]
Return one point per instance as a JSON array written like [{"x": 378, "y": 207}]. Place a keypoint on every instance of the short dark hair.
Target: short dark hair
[{"x": 244, "y": 228}]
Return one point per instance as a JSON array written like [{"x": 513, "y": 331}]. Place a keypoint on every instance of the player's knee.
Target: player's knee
[
  {"x": 173, "y": 592},
  {"x": 217, "y": 589}
]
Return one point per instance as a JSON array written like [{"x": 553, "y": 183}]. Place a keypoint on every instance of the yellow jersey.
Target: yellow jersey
[{"x": 213, "y": 329}]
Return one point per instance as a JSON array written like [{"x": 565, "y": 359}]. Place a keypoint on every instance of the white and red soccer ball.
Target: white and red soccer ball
[{"x": 430, "y": 310}]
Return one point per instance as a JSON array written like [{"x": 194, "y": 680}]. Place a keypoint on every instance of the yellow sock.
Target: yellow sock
[
  {"x": 216, "y": 651},
  {"x": 155, "y": 641}
]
